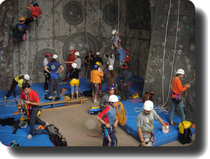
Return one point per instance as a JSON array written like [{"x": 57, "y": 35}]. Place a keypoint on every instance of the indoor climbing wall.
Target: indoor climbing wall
[
  {"x": 82, "y": 25},
  {"x": 6, "y": 44},
  {"x": 172, "y": 48}
]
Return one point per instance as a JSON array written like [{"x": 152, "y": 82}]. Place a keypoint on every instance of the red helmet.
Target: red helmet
[
  {"x": 126, "y": 50},
  {"x": 126, "y": 67},
  {"x": 48, "y": 54},
  {"x": 73, "y": 50}
]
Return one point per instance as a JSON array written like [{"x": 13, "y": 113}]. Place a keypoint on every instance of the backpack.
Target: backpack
[
  {"x": 185, "y": 133},
  {"x": 54, "y": 135}
]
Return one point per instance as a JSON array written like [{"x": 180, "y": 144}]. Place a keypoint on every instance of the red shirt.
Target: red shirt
[
  {"x": 71, "y": 58},
  {"x": 31, "y": 97},
  {"x": 35, "y": 11}
]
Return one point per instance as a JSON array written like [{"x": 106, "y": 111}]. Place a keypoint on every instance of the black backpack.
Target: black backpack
[
  {"x": 54, "y": 135},
  {"x": 185, "y": 133}
]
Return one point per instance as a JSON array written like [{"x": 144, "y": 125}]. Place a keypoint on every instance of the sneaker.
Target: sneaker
[
  {"x": 172, "y": 123},
  {"x": 95, "y": 101},
  {"x": 5, "y": 98},
  {"x": 46, "y": 90},
  {"x": 29, "y": 136},
  {"x": 46, "y": 123}
]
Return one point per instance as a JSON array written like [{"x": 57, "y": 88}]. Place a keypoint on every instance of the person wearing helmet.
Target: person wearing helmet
[
  {"x": 145, "y": 124},
  {"x": 95, "y": 79},
  {"x": 110, "y": 58},
  {"x": 35, "y": 12},
  {"x": 89, "y": 63},
  {"x": 69, "y": 62},
  {"x": 18, "y": 80},
  {"x": 20, "y": 30},
  {"x": 127, "y": 57},
  {"x": 126, "y": 78},
  {"x": 117, "y": 45},
  {"x": 46, "y": 74},
  {"x": 104, "y": 100},
  {"x": 111, "y": 78},
  {"x": 98, "y": 58},
  {"x": 109, "y": 121},
  {"x": 52, "y": 68},
  {"x": 177, "y": 89},
  {"x": 32, "y": 101},
  {"x": 74, "y": 82}
]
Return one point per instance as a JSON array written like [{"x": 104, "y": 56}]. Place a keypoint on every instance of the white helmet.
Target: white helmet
[
  {"x": 55, "y": 56},
  {"x": 98, "y": 53},
  {"x": 74, "y": 65},
  {"x": 26, "y": 77},
  {"x": 77, "y": 53},
  {"x": 110, "y": 67},
  {"x": 180, "y": 71},
  {"x": 148, "y": 105},
  {"x": 114, "y": 31},
  {"x": 113, "y": 98}
]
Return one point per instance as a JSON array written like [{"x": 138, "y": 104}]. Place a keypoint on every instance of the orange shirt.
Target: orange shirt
[
  {"x": 95, "y": 76},
  {"x": 177, "y": 87}
]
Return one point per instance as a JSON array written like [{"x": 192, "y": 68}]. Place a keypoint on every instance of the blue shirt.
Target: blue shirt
[
  {"x": 21, "y": 28},
  {"x": 53, "y": 66},
  {"x": 116, "y": 40},
  {"x": 108, "y": 115}
]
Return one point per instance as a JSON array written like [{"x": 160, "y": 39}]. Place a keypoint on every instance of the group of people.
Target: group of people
[{"x": 95, "y": 72}]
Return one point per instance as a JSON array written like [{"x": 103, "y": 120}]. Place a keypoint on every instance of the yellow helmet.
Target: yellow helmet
[
  {"x": 98, "y": 63},
  {"x": 22, "y": 18}
]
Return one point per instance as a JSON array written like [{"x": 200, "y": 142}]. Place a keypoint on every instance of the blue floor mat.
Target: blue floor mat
[
  {"x": 21, "y": 137},
  {"x": 133, "y": 109}
]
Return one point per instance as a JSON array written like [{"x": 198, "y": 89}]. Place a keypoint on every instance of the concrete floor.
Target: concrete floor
[{"x": 81, "y": 129}]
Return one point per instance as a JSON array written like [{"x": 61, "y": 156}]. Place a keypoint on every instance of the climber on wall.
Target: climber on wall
[
  {"x": 20, "y": 30},
  {"x": 35, "y": 12}
]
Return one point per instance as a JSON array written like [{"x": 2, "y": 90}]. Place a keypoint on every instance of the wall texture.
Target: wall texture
[
  {"x": 82, "y": 25},
  {"x": 171, "y": 49}
]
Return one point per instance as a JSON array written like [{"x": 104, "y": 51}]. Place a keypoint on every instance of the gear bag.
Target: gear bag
[
  {"x": 54, "y": 135},
  {"x": 185, "y": 133}
]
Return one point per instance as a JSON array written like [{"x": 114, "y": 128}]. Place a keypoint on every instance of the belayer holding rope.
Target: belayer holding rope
[
  {"x": 176, "y": 95},
  {"x": 109, "y": 121}
]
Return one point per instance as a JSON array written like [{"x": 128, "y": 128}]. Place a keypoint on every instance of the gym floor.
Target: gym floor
[{"x": 81, "y": 129}]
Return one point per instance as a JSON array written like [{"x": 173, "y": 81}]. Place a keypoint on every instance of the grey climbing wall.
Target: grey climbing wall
[
  {"x": 6, "y": 44},
  {"x": 82, "y": 25},
  {"x": 160, "y": 65}
]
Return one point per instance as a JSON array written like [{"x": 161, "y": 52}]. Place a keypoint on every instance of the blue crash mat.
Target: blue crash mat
[
  {"x": 133, "y": 109},
  {"x": 20, "y": 137}
]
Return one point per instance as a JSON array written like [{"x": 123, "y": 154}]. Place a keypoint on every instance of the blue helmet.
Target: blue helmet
[
  {"x": 95, "y": 67},
  {"x": 111, "y": 87}
]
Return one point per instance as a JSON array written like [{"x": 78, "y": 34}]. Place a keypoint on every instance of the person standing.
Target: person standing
[
  {"x": 104, "y": 101},
  {"x": 89, "y": 63},
  {"x": 98, "y": 59},
  {"x": 126, "y": 79},
  {"x": 74, "y": 82},
  {"x": 69, "y": 62},
  {"x": 32, "y": 100},
  {"x": 145, "y": 124},
  {"x": 95, "y": 79},
  {"x": 111, "y": 78},
  {"x": 117, "y": 45},
  {"x": 109, "y": 121},
  {"x": 110, "y": 58},
  {"x": 46, "y": 74},
  {"x": 18, "y": 80},
  {"x": 20, "y": 29},
  {"x": 35, "y": 12},
  {"x": 53, "y": 66},
  {"x": 176, "y": 95}
]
